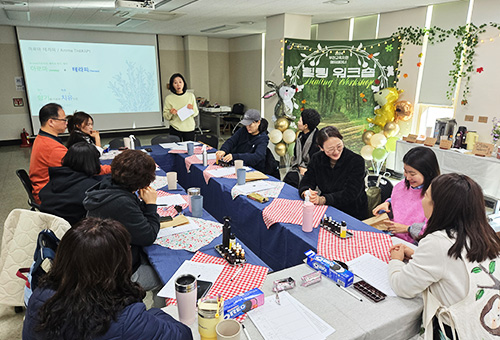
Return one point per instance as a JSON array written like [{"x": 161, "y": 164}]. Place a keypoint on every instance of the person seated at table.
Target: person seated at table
[
  {"x": 249, "y": 144},
  {"x": 420, "y": 168},
  {"x": 115, "y": 197},
  {"x": 64, "y": 193},
  {"x": 81, "y": 129},
  {"x": 88, "y": 293},
  {"x": 305, "y": 146},
  {"x": 454, "y": 264},
  {"x": 338, "y": 173},
  {"x": 178, "y": 99}
]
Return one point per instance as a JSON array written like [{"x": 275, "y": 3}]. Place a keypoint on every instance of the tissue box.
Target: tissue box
[
  {"x": 240, "y": 304},
  {"x": 330, "y": 269}
]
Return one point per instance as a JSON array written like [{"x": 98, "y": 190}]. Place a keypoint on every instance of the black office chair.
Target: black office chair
[
  {"x": 232, "y": 119},
  {"x": 25, "y": 180},
  {"x": 118, "y": 143},
  {"x": 208, "y": 139},
  {"x": 165, "y": 139}
]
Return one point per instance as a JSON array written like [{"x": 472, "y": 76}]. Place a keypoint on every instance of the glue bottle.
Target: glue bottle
[
  {"x": 307, "y": 214},
  {"x": 204, "y": 155}
]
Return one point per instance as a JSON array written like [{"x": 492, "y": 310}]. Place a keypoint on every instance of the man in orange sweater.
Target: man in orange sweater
[{"x": 48, "y": 149}]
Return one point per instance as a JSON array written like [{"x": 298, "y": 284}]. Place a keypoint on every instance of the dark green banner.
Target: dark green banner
[{"x": 338, "y": 79}]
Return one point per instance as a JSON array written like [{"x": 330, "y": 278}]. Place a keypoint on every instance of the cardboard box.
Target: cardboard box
[
  {"x": 240, "y": 304},
  {"x": 330, "y": 269}
]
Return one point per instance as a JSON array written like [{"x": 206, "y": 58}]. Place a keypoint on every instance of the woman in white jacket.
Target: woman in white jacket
[{"x": 454, "y": 264}]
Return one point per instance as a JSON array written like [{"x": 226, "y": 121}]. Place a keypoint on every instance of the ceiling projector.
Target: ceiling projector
[{"x": 135, "y": 4}]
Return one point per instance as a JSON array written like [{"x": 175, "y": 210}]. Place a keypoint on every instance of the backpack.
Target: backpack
[
  {"x": 272, "y": 166},
  {"x": 45, "y": 250}
]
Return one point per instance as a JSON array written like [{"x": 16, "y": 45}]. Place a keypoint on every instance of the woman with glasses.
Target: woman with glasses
[{"x": 338, "y": 173}]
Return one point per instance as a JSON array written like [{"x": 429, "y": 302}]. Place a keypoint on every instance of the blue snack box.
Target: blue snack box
[
  {"x": 240, "y": 304},
  {"x": 330, "y": 269}
]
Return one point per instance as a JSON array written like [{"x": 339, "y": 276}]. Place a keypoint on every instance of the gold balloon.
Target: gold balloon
[
  {"x": 367, "y": 135},
  {"x": 282, "y": 124},
  {"x": 280, "y": 149},
  {"x": 391, "y": 129},
  {"x": 403, "y": 110}
]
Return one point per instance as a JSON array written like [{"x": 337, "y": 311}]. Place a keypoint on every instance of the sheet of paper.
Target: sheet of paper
[
  {"x": 221, "y": 172},
  {"x": 288, "y": 321},
  {"x": 186, "y": 142},
  {"x": 210, "y": 156},
  {"x": 254, "y": 186},
  {"x": 170, "y": 200},
  {"x": 169, "y": 145},
  {"x": 177, "y": 230},
  {"x": 202, "y": 271},
  {"x": 184, "y": 113},
  {"x": 373, "y": 271}
]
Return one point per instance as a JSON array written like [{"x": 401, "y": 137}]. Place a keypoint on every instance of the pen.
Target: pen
[
  {"x": 350, "y": 293},
  {"x": 236, "y": 274},
  {"x": 246, "y": 332}
]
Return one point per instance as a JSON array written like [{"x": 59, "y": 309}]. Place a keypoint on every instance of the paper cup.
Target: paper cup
[
  {"x": 228, "y": 329},
  {"x": 238, "y": 164},
  {"x": 172, "y": 180},
  {"x": 126, "y": 142}
]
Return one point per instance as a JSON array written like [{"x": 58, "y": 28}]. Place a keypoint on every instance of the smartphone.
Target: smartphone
[
  {"x": 203, "y": 288},
  {"x": 165, "y": 218}
]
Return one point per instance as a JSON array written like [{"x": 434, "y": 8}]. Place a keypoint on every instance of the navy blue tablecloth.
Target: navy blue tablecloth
[{"x": 282, "y": 245}]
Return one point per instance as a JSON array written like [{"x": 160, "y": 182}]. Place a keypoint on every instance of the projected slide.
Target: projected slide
[{"x": 97, "y": 78}]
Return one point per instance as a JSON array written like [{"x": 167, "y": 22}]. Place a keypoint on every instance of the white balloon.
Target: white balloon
[
  {"x": 378, "y": 140},
  {"x": 275, "y": 136},
  {"x": 289, "y": 136},
  {"x": 366, "y": 152}
]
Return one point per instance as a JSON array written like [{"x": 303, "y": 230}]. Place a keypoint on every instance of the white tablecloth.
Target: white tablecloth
[{"x": 484, "y": 170}]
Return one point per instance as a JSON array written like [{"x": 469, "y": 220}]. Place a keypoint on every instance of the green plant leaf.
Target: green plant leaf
[
  {"x": 492, "y": 267},
  {"x": 479, "y": 294},
  {"x": 476, "y": 270}
]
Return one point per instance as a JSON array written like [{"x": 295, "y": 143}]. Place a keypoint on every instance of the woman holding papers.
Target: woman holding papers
[
  {"x": 454, "y": 265},
  {"x": 180, "y": 108},
  {"x": 339, "y": 173},
  {"x": 420, "y": 168},
  {"x": 88, "y": 293},
  {"x": 128, "y": 198}
]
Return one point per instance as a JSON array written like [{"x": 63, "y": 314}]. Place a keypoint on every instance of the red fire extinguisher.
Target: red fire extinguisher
[{"x": 25, "y": 142}]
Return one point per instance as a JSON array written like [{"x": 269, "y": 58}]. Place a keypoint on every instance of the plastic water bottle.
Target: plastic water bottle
[
  {"x": 307, "y": 214},
  {"x": 132, "y": 142},
  {"x": 204, "y": 155}
]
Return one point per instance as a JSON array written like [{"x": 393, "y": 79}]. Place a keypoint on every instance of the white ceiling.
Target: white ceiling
[{"x": 188, "y": 17}]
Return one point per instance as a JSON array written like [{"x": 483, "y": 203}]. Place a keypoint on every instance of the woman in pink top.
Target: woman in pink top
[{"x": 408, "y": 222}]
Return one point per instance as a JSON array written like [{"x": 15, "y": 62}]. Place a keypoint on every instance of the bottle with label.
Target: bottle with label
[
  {"x": 307, "y": 214},
  {"x": 343, "y": 230},
  {"x": 226, "y": 232}
]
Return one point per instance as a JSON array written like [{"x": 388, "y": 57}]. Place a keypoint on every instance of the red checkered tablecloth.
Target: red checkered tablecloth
[
  {"x": 207, "y": 175},
  {"x": 289, "y": 211},
  {"x": 195, "y": 160},
  {"x": 170, "y": 211},
  {"x": 334, "y": 248},
  {"x": 250, "y": 277}
]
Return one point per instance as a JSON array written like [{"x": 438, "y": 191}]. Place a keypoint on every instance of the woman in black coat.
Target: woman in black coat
[
  {"x": 64, "y": 193},
  {"x": 338, "y": 173}
]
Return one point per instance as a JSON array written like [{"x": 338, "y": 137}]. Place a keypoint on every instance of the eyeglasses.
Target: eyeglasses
[
  {"x": 339, "y": 148},
  {"x": 63, "y": 119}
]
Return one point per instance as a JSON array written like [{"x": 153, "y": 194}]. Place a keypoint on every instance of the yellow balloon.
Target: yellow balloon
[
  {"x": 391, "y": 129},
  {"x": 275, "y": 136},
  {"x": 282, "y": 124},
  {"x": 378, "y": 140},
  {"x": 280, "y": 149},
  {"x": 367, "y": 135},
  {"x": 289, "y": 136}
]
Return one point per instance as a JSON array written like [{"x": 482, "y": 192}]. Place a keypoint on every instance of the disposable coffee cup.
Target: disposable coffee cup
[
  {"x": 185, "y": 293},
  {"x": 241, "y": 176},
  {"x": 197, "y": 206},
  {"x": 228, "y": 329},
  {"x": 190, "y": 148},
  {"x": 172, "y": 180},
  {"x": 192, "y": 192},
  {"x": 238, "y": 164},
  {"x": 126, "y": 142}
]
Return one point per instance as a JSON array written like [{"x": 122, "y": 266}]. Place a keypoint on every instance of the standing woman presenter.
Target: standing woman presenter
[{"x": 175, "y": 101}]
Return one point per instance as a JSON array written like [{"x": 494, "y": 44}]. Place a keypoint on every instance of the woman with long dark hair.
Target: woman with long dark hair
[
  {"x": 420, "y": 168},
  {"x": 339, "y": 173},
  {"x": 81, "y": 129},
  {"x": 88, "y": 293},
  {"x": 64, "y": 193},
  {"x": 454, "y": 265},
  {"x": 178, "y": 99}
]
